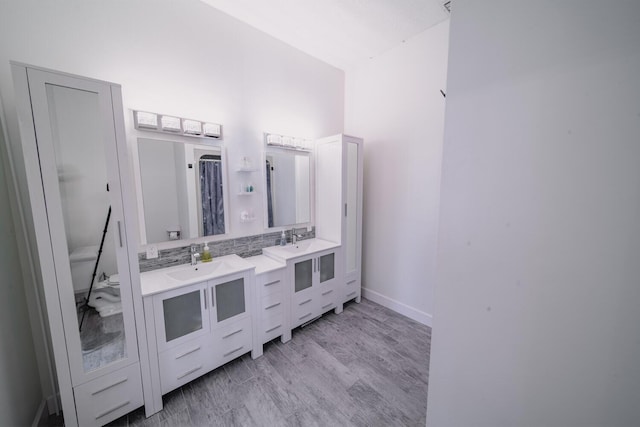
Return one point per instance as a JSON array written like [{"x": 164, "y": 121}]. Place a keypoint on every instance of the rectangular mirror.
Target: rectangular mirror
[
  {"x": 183, "y": 190},
  {"x": 288, "y": 188}
]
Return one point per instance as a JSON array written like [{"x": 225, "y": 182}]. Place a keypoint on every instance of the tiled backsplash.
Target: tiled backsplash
[{"x": 242, "y": 246}]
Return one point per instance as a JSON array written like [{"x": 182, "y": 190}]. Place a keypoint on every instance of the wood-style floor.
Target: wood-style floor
[{"x": 368, "y": 366}]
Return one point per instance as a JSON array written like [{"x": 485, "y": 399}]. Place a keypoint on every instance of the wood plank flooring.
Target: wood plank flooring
[{"x": 368, "y": 366}]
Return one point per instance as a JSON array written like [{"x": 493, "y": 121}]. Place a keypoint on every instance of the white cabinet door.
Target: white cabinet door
[
  {"x": 229, "y": 299},
  {"x": 326, "y": 292},
  {"x": 352, "y": 215},
  {"x": 339, "y": 184},
  {"x": 181, "y": 315},
  {"x": 303, "y": 304},
  {"x": 315, "y": 280},
  {"x": 72, "y": 142},
  {"x": 78, "y": 163}
]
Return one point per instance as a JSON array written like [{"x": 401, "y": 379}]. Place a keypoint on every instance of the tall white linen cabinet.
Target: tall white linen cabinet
[
  {"x": 75, "y": 158},
  {"x": 339, "y": 176}
]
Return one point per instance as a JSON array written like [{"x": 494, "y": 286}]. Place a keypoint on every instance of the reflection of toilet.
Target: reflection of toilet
[
  {"x": 105, "y": 295},
  {"x": 82, "y": 260}
]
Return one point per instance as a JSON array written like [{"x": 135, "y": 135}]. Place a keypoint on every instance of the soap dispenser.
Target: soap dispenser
[
  {"x": 206, "y": 253},
  {"x": 283, "y": 239}
]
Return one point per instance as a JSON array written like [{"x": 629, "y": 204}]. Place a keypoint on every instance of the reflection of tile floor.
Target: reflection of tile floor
[
  {"x": 366, "y": 366},
  {"x": 102, "y": 339}
]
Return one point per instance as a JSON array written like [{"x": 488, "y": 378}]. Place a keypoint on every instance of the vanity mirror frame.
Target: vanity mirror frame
[
  {"x": 218, "y": 145},
  {"x": 282, "y": 150}
]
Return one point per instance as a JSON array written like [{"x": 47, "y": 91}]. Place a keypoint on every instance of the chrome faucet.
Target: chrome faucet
[
  {"x": 194, "y": 255},
  {"x": 294, "y": 236}
]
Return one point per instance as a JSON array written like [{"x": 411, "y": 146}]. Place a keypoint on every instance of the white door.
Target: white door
[
  {"x": 352, "y": 214},
  {"x": 78, "y": 166}
]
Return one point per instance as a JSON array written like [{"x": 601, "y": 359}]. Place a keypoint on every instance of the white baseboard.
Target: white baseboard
[
  {"x": 398, "y": 307},
  {"x": 46, "y": 408},
  {"x": 53, "y": 402},
  {"x": 42, "y": 415}
]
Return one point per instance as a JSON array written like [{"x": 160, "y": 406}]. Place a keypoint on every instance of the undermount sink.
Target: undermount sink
[{"x": 199, "y": 270}]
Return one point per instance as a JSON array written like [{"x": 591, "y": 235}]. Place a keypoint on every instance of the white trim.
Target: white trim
[
  {"x": 41, "y": 230},
  {"x": 45, "y": 409},
  {"x": 24, "y": 65},
  {"x": 398, "y": 307},
  {"x": 34, "y": 299},
  {"x": 41, "y": 416},
  {"x": 54, "y": 405}
]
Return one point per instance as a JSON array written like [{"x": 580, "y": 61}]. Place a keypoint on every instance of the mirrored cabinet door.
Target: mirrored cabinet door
[{"x": 78, "y": 162}]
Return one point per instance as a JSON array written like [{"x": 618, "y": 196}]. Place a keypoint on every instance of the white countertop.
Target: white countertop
[
  {"x": 264, "y": 264},
  {"x": 300, "y": 249},
  {"x": 275, "y": 257},
  {"x": 166, "y": 279}
]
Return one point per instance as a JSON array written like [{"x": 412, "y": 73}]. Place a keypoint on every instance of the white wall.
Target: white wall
[
  {"x": 20, "y": 390},
  {"x": 394, "y": 103},
  {"x": 537, "y": 314},
  {"x": 183, "y": 58}
]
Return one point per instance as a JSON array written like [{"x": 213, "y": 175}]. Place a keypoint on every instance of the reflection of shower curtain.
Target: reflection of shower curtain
[
  {"x": 211, "y": 193},
  {"x": 269, "y": 195}
]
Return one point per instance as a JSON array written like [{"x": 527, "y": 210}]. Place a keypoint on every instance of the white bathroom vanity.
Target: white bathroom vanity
[{"x": 156, "y": 191}]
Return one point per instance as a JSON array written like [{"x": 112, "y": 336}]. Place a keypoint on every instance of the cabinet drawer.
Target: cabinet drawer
[
  {"x": 303, "y": 311},
  {"x": 233, "y": 340},
  {"x": 109, "y": 397},
  {"x": 184, "y": 363},
  {"x": 301, "y": 297},
  {"x": 271, "y": 328},
  {"x": 270, "y": 282},
  {"x": 352, "y": 289},
  {"x": 328, "y": 298},
  {"x": 272, "y": 305}
]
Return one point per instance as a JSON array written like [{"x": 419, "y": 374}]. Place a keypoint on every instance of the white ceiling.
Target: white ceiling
[{"x": 342, "y": 33}]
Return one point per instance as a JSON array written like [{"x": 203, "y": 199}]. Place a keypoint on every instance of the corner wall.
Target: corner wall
[
  {"x": 394, "y": 103},
  {"x": 20, "y": 388},
  {"x": 536, "y": 320},
  {"x": 183, "y": 58}
]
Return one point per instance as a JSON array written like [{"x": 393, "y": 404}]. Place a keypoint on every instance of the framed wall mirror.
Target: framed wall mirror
[
  {"x": 287, "y": 176},
  {"x": 182, "y": 190}
]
